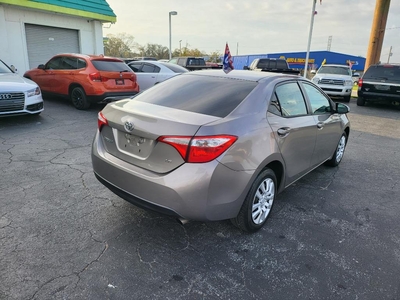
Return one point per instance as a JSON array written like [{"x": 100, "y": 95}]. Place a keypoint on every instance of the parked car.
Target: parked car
[
  {"x": 18, "y": 95},
  {"x": 149, "y": 73},
  {"x": 335, "y": 80},
  {"x": 209, "y": 146},
  {"x": 381, "y": 82},
  {"x": 85, "y": 79}
]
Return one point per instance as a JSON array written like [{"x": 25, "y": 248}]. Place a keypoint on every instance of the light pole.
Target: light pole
[
  {"x": 171, "y": 13},
  {"x": 180, "y": 47},
  {"x": 309, "y": 38}
]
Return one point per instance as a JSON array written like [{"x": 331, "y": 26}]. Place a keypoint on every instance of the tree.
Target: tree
[
  {"x": 119, "y": 45},
  {"x": 153, "y": 50},
  {"x": 215, "y": 57}
]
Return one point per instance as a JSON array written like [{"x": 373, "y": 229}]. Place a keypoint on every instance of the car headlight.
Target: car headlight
[
  {"x": 34, "y": 92},
  {"x": 348, "y": 82},
  {"x": 315, "y": 80}
]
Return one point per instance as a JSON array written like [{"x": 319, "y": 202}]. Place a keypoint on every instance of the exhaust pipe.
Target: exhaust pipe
[{"x": 182, "y": 221}]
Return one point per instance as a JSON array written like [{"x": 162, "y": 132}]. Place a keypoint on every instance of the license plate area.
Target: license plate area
[
  {"x": 134, "y": 145},
  {"x": 380, "y": 87},
  {"x": 119, "y": 81}
]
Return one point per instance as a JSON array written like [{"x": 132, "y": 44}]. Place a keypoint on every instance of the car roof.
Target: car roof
[
  {"x": 89, "y": 56},
  {"x": 243, "y": 74},
  {"x": 335, "y": 65}
]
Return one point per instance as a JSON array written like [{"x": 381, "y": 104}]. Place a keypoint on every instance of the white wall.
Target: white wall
[{"x": 13, "y": 49}]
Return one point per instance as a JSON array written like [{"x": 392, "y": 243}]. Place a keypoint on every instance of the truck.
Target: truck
[
  {"x": 277, "y": 65},
  {"x": 335, "y": 80},
  {"x": 191, "y": 63}
]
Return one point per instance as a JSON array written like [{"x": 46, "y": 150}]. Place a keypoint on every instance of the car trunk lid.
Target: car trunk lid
[{"x": 134, "y": 127}]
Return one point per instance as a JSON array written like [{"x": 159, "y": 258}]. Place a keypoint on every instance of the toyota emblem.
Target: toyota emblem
[{"x": 128, "y": 126}]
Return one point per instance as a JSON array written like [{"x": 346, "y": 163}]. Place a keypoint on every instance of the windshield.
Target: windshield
[
  {"x": 4, "y": 68},
  {"x": 334, "y": 70}
]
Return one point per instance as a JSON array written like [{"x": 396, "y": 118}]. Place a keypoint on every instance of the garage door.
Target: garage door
[{"x": 43, "y": 42}]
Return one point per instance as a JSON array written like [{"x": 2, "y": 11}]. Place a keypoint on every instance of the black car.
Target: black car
[{"x": 381, "y": 82}]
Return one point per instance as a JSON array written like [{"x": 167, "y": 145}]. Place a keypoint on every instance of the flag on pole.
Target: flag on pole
[
  {"x": 350, "y": 64},
  {"x": 323, "y": 62},
  {"x": 228, "y": 64}
]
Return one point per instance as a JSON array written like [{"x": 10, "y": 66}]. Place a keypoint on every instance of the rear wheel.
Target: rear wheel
[
  {"x": 79, "y": 99},
  {"x": 360, "y": 101},
  {"x": 339, "y": 152},
  {"x": 258, "y": 203}
]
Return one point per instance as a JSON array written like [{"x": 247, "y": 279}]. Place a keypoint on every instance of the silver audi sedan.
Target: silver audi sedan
[{"x": 209, "y": 146}]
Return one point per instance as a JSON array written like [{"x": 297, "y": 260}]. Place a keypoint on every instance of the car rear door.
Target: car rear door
[
  {"x": 294, "y": 129},
  {"x": 149, "y": 76}
]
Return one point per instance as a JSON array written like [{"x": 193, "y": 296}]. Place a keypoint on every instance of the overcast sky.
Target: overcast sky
[{"x": 256, "y": 26}]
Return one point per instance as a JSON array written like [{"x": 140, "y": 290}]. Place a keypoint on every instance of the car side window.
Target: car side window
[
  {"x": 81, "y": 64},
  {"x": 54, "y": 63},
  {"x": 319, "y": 103},
  {"x": 291, "y": 100},
  {"x": 150, "y": 69},
  {"x": 274, "y": 106},
  {"x": 69, "y": 63},
  {"x": 136, "y": 67}
]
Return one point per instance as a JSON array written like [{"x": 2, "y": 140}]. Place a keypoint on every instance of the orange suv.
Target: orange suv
[{"x": 85, "y": 79}]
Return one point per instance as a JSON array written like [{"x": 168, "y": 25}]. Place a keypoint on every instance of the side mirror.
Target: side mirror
[
  {"x": 41, "y": 66},
  {"x": 342, "y": 108}
]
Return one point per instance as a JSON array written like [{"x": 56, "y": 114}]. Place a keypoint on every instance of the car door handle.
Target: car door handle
[
  {"x": 320, "y": 125},
  {"x": 283, "y": 132}
]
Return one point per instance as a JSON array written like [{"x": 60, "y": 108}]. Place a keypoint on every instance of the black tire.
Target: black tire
[
  {"x": 79, "y": 99},
  {"x": 360, "y": 101},
  {"x": 347, "y": 98},
  {"x": 265, "y": 186},
  {"x": 339, "y": 152}
]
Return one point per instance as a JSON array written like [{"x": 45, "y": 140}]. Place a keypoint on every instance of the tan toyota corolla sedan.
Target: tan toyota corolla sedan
[{"x": 209, "y": 146}]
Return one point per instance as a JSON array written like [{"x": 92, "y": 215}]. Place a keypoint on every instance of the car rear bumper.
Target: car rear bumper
[
  {"x": 110, "y": 96},
  {"x": 203, "y": 192},
  {"x": 371, "y": 96}
]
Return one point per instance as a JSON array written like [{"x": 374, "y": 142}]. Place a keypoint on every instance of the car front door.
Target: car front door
[
  {"x": 45, "y": 77},
  {"x": 329, "y": 128},
  {"x": 294, "y": 129}
]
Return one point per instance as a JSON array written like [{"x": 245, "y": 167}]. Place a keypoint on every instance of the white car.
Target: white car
[
  {"x": 335, "y": 80},
  {"x": 18, "y": 95},
  {"x": 149, "y": 73}
]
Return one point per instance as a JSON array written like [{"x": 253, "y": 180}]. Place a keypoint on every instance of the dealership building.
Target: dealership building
[
  {"x": 31, "y": 31},
  {"x": 296, "y": 60}
]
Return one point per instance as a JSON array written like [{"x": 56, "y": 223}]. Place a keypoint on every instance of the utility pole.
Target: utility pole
[
  {"x": 329, "y": 43},
  {"x": 390, "y": 54},
  {"x": 377, "y": 32}
]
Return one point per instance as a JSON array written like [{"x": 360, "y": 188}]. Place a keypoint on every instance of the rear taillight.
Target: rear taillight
[
  {"x": 101, "y": 120},
  {"x": 96, "y": 77},
  {"x": 199, "y": 149},
  {"x": 360, "y": 82}
]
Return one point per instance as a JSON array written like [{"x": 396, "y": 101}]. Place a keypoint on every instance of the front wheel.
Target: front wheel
[
  {"x": 79, "y": 99},
  {"x": 339, "y": 152},
  {"x": 258, "y": 203},
  {"x": 346, "y": 98}
]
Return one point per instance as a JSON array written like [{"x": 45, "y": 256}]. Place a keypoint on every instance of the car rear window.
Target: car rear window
[
  {"x": 200, "y": 94},
  {"x": 107, "y": 65},
  {"x": 383, "y": 72},
  {"x": 175, "y": 68}
]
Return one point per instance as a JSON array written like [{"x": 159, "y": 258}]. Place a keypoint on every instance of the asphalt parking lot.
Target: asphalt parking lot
[{"x": 335, "y": 234}]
